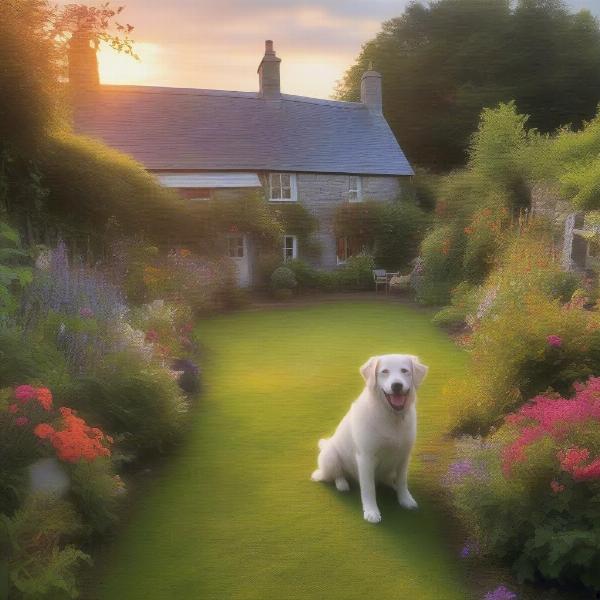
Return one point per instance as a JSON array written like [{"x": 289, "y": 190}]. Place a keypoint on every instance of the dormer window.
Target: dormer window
[
  {"x": 354, "y": 189},
  {"x": 282, "y": 187}
]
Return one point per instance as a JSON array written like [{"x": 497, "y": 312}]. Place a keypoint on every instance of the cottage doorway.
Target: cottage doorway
[{"x": 237, "y": 250}]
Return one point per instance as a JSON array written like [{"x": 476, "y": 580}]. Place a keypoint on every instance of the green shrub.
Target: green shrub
[
  {"x": 23, "y": 358},
  {"x": 307, "y": 277},
  {"x": 442, "y": 252},
  {"x": 356, "y": 273},
  {"x": 283, "y": 278},
  {"x": 41, "y": 562},
  {"x": 513, "y": 358},
  {"x": 398, "y": 234},
  {"x": 138, "y": 403},
  {"x": 449, "y": 318},
  {"x": 15, "y": 271},
  {"x": 464, "y": 303},
  {"x": 95, "y": 491}
]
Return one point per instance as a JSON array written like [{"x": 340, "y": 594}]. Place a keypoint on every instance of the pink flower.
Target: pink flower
[
  {"x": 86, "y": 312},
  {"x": 554, "y": 340},
  {"x": 572, "y": 458},
  {"x": 21, "y": 421},
  {"x": 549, "y": 416},
  {"x": 557, "y": 487},
  {"x": 13, "y": 408},
  {"x": 25, "y": 393},
  {"x": 151, "y": 336},
  {"x": 591, "y": 471}
]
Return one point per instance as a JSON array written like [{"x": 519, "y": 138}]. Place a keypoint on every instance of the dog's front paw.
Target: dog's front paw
[
  {"x": 372, "y": 516},
  {"x": 407, "y": 501}
]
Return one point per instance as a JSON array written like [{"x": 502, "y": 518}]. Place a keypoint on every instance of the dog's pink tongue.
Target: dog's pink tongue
[{"x": 398, "y": 400}]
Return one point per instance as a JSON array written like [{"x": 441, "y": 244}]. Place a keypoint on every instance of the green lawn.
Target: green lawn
[{"x": 234, "y": 514}]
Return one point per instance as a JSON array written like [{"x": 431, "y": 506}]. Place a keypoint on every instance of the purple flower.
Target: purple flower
[
  {"x": 86, "y": 312},
  {"x": 459, "y": 470},
  {"x": 471, "y": 548},
  {"x": 500, "y": 593},
  {"x": 554, "y": 340}
]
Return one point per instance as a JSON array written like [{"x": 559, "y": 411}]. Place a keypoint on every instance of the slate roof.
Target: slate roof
[{"x": 189, "y": 129}]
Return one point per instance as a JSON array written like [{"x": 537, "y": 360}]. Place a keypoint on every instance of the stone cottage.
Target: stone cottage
[{"x": 218, "y": 144}]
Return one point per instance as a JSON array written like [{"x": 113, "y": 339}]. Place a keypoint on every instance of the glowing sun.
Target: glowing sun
[{"x": 118, "y": 68}]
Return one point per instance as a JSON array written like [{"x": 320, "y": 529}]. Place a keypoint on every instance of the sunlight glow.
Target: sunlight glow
[{"x": 116, "y": 68}]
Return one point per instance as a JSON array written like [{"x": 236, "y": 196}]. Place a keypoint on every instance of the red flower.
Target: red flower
[
  {"x": 557, "y": 487},
  {"x": 25, "y": 393},
  {"x": 66, "y": 412},
  {"x": 44, "y": 397},
  {"x": 21, "y": 421},
  {"x": 13, "y": 408},
  {"x": 44, "y": 431}
]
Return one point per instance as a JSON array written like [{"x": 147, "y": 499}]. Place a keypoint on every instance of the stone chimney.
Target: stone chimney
[
  {"x": 83, "y": 62},
  {"x": 268, "y": 74},
  {"x": 370, "y": 89}
]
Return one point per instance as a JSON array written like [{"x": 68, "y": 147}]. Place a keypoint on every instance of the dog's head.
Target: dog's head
[{"x": 394, "y": 378}]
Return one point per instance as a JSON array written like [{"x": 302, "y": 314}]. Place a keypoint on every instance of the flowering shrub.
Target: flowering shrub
[
  {"x": 31, "y": 428},
  {"x": 74, "y": 307},
  {"x": 205, "y": 285},
  {"x": 530, "y": 494},
  {"x": 167, "y": 326},
  {"x": 75, "y": 440}
]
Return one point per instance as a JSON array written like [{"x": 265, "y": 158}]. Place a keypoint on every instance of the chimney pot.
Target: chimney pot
[{"x": 268, "y": 74}]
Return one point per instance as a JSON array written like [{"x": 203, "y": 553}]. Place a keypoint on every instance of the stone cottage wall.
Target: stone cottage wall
[{"x": 321, "y": 194}]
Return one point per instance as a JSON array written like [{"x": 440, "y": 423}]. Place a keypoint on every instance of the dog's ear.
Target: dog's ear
[
  {"x": 369, "y": 371},
  {"x": 419, "y": 371}
]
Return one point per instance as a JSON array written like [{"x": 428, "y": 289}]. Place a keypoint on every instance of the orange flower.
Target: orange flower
[
  {"x": 44, "y": 431},
  {"x": 44, "y": 397}
]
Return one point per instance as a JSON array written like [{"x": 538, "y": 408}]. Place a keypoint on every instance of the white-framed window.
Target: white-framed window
[
  {"x": 290, "y": 247},
  {"x": 282, "y": 187},
  {"x": 354, "y": 188},
  {"x": 235, "y": 246}
]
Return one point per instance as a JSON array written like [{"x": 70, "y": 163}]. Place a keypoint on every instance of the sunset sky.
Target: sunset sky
[{"x": 218, "y": 44}]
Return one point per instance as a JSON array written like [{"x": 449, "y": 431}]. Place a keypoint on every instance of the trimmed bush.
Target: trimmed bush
[{"x": 283, "y": 278}]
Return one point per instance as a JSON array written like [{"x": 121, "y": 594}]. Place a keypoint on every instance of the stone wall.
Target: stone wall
[{"x": 321, "y": 194}]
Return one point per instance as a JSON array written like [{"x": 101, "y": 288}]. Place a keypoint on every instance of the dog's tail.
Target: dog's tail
[{"x": 323, "y": 443}]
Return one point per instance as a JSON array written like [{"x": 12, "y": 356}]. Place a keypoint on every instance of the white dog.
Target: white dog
[{"x": 374, "y": 440}]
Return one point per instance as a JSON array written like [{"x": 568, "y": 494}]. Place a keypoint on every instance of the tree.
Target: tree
[{"x": 443, "y": 63}]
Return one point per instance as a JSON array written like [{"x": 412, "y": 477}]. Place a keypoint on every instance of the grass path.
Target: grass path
[{"x": 234, "y": 515}]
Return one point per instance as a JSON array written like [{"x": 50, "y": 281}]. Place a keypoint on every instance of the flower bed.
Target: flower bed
[{"x": 530, "y": 493}]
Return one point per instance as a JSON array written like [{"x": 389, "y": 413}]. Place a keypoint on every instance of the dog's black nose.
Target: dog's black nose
[{"x": 397, "y": 388}]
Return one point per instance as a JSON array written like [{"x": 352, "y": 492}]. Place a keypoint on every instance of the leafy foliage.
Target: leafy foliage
[
  {"x": 41, "y": 565},
  {"x": 443, "y": 62}
]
